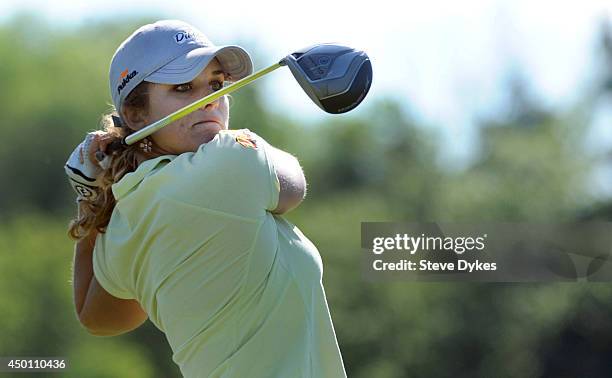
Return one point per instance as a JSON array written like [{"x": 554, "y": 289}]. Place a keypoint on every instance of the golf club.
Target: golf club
[{"x": 335, "y": 77}]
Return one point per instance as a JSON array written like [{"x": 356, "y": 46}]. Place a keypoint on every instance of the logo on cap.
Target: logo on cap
[
  {"x": 184, "y": 36},
  {"x": 126, "y": 79}
]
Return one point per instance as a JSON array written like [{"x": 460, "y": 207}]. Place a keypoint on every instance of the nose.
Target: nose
[{"x": 212, "y": 106}]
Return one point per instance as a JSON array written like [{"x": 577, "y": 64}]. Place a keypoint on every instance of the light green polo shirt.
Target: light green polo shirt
[{"x": 236, "y": 290}]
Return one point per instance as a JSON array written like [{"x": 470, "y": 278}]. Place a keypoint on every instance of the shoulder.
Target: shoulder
[
  {"x": 244, "y": 138},
  {"x": 229, "y": 147}
]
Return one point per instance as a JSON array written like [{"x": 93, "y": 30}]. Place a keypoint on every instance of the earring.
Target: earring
[{"x": 146, "y": 145}]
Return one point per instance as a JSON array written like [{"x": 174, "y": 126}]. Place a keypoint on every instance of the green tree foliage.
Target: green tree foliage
[
  {"x": 36, "y": 308},
  {"x": 54, "y": 88}
]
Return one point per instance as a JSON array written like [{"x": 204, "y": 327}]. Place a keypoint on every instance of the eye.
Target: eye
[
  {"x": 186, "y": 87},
  {"x": 216, "y": 85}
]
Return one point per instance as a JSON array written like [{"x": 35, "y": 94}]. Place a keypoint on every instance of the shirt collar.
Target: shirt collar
[{"x": 132, "y": 179}]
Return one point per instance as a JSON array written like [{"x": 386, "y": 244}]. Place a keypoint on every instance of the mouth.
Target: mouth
[
  {"x": 208, "y": 128},
  {"x": 208, "y": 122}
]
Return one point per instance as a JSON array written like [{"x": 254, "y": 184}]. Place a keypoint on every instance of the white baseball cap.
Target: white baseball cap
[{"x": 169, "y": 52}]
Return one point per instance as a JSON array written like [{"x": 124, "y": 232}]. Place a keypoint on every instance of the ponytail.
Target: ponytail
[{"x": 95, "y": 215}]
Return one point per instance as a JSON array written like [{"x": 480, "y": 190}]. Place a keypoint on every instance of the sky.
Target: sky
[{"x": 446, "y": 62}]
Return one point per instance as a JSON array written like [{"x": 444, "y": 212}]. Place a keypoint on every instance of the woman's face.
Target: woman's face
[{"x": 201, "y": 126}]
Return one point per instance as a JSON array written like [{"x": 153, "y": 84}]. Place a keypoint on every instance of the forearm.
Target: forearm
[
  {"x": 98, "y": 311},
  {"x": 83, "y": 269}
]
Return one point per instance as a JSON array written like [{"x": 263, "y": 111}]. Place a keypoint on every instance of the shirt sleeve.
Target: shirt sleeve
[
  {"x": 234, "y": 173},
  {"x": 104, "y": 275}
]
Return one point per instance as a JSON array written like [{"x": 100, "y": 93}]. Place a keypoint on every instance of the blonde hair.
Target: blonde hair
[{"x": 95, "y": 215}]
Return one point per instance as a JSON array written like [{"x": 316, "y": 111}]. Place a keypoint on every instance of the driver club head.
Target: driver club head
[{"x": 335, "y": 77}]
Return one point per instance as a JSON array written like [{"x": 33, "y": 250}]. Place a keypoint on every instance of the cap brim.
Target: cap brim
[{"x": 234, "y": 61}]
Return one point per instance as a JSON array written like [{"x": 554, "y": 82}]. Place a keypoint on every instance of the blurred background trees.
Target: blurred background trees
[{"x": 531, "y": 164}]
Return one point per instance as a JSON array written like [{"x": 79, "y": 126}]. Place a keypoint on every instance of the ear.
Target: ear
[{"x": 135, "y": 118}]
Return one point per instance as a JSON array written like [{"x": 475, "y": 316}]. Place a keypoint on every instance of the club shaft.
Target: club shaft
[{"x": 150, "y": 129}]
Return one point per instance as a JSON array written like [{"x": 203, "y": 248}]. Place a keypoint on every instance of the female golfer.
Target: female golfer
[{"x": 184, "y": 227}]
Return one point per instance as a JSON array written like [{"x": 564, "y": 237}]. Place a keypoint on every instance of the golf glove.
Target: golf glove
[{"x": 83, "y": 174}]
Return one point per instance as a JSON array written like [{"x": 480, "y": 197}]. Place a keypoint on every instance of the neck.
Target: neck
[{"x": 156, "y": 151}]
